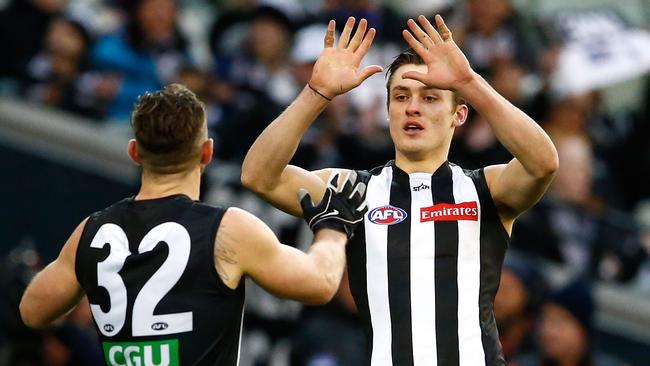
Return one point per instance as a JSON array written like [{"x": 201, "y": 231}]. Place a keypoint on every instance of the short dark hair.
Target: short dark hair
[
  {"x": 408, "y": 57},
  {"x": 169, "y": 127}
]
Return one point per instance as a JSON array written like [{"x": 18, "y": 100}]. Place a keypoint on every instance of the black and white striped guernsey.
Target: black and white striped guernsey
[{"x": 425, "y": 266}]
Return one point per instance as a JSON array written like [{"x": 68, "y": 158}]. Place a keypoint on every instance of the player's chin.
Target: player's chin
[{"x": 411, "y": 146}]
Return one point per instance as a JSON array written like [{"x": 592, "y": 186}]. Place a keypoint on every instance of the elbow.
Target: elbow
[
  {"x": 329, "y": 289},
  {"x": 550, "y": 165},
  {"x": 318, "y": 299},
  {"x": 247, "y": 178},
  {"x": 546, "y": 166},
  {"x": 321, "y": 298},
  {"x": 251, "y": 180},
  {"x": 324, "y": 293}
]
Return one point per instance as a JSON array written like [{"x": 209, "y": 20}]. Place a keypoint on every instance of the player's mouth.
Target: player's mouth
[{"x": 412, "y": 128}]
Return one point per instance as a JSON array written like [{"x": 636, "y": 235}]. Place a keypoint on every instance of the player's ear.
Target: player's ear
[
  {"x": 460, "y": 115},
  {"x": 133, "y": 152},
  {"x": 207, "y": 150}
]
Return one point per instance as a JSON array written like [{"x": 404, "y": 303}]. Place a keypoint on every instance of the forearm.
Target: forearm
[
  {"x": 522, "y": 136},
  {"x": 328, "y": 256},
  {"x": 31, "y": 306},
  {"x": 276, "y": 145},
  {"x": 45, "y": 300}
]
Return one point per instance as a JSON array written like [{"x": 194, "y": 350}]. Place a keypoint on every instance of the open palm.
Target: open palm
[
  {"x": 447, "y": 66},
  {"x": 337, "y": 69}
]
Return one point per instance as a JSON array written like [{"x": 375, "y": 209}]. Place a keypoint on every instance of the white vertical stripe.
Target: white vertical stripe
[
  {"x": 423, "y": 292},
  {"x": 469, "y": 266},
  {"x": 378, "y": 194},
  {"x": 241, "y": 329}
]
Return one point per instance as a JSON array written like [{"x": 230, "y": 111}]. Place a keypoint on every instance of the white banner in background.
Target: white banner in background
[{"x": 599, "y": 50}]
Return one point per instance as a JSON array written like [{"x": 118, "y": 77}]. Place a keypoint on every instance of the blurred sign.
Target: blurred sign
[{"x": 599, "y": 49}]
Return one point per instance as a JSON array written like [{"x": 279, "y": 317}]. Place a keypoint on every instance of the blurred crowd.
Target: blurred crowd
[{"x": 248, "y": 59}]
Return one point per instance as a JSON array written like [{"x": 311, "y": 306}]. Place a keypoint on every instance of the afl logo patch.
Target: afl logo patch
[
  {"x": 387, "y": 215},
  {"x": 159, "y": 326}
]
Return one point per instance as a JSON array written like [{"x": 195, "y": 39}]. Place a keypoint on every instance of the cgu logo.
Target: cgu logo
[
  {"x": 156, "y": 353},
  {"x": 387, "y": 215}
]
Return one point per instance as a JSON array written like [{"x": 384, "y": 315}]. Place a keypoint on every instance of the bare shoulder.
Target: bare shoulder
[
  {"x": 69, "y": 250},
  {"x": 240, "y": 235},
  {"x": 240, "y": 229},
  {"x": 236, "y": 221}
]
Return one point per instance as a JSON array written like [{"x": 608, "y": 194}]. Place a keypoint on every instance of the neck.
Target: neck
[
  {"x": 412, "y": 163},
  {"x": 162, "y": 185}
]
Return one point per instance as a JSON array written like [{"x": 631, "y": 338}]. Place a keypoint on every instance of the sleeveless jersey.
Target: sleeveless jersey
[
  {"x": 425, "y": 266},
  {"x": 147, "y": 267}
]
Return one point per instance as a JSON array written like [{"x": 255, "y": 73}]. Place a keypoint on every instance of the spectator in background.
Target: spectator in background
[
  {"x": 52, "y": 75},
  {"x": 505, "y": 48},
  {"x": 516, "y": 306},
  {"x": 23, "y": 24},
  {"x": 566, "y": 334},
  {"x": 252, "y": 81},
  {"x": 496, "y": 33},
  {"x": 258, "y": 61},
  {"x": 614, "y": 137},
  {"x": 141, "y": 57},
  {"x": 269, "y": 43},
  {"x": 475, "y": 145},
  {"x": 228, "y": 34},
  {"x": 572, "y": 226},
  {"x": 379, "y": 15},
  {"x": 205, "y": 87}
]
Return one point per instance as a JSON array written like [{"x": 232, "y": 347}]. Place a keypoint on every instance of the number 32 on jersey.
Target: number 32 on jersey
[{"x": 144, "y": 322}]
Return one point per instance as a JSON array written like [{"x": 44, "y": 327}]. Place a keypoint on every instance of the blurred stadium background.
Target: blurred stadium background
[{"x": 70, "y": 72}]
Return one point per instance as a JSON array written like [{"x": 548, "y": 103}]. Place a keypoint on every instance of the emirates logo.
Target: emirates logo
[{"x": 450, "y": 212}]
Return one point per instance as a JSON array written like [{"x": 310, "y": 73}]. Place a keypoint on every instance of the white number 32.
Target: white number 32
[{"x": 144, "y": 322}]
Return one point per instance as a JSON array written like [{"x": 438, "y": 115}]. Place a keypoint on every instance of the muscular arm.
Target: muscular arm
[
  {"x": 265, "y": 169},
  {"x": 246, "y": 246},
  {"x": 54, "y": 291},
  {"x": 519, "y": 184}
]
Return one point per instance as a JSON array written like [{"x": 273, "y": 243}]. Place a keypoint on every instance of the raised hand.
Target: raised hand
[
  {"x": 340, "y": 209},
  {"x": 447, "y": 66},
  {"x": 337, "y": 69}
]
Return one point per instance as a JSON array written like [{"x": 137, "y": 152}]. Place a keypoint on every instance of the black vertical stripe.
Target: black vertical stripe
[
  {"x": 399, "y": 272},
  {"x": 494, "y": 241},
  {"x": 357, "y": 276},
  {"x": 446, "y": 271},
  {"x": 357, "y": 272}
]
